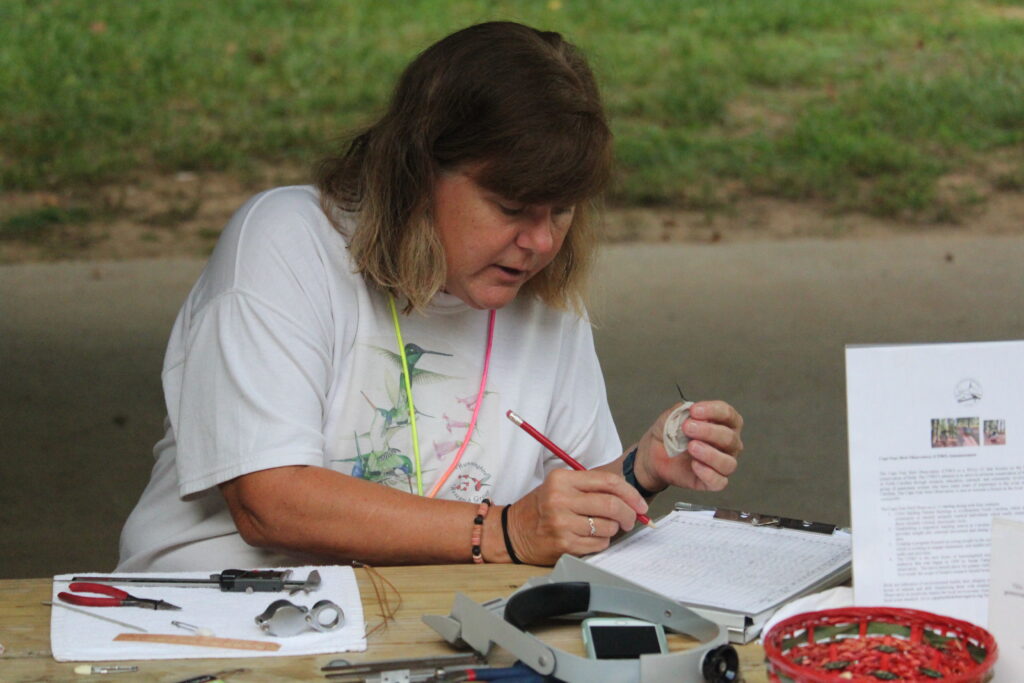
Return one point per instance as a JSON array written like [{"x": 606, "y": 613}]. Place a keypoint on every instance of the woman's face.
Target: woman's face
[{"x": 493, "y": 245}]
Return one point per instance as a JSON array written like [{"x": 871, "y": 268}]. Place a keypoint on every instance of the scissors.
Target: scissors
[{"x": 118, "y": 597}]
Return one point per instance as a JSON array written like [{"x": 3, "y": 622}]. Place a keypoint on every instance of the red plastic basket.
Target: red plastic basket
[{"x": 878, "y": 643}]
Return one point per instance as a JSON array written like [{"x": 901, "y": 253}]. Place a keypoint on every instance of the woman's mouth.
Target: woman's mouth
[{"x": 512, "y": 272}]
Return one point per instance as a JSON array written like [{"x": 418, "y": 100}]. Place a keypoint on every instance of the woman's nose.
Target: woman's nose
[{"x": 539, "y": 233}]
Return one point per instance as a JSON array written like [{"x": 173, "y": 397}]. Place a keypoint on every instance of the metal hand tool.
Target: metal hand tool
[
  {"x": 115, "y": 597},
  {"x": 343, "y": 669},
  {"x": 229, "y": 580}
]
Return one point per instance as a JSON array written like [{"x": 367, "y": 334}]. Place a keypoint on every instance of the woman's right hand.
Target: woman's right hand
[{"x": 555, "y": 518}]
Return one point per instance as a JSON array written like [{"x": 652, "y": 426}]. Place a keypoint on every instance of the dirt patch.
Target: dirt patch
[
  {"x": 175, "y": 216},
  {"x": 763, "y": 218},
  {"x": 181, "y": 216}
]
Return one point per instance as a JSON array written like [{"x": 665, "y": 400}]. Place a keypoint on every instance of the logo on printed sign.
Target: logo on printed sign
[{"x": 968, "y": 391}]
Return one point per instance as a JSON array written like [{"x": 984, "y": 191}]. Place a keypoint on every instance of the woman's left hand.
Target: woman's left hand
[{"x": 714, "y": 429}]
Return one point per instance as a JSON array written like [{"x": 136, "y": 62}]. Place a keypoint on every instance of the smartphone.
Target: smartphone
[{"x": 622, "y": 637}]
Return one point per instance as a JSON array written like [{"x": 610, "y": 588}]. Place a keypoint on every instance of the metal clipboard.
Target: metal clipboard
[
  {"x": 761, "y": 519},
  {"x": 742, "y": 626}
]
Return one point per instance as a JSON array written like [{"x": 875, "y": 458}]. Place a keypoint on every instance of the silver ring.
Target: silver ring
[{"x": 593, "y": 527}]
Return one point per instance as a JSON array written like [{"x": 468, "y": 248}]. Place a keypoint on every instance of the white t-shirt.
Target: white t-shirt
[{"x": 282, "y": 355}]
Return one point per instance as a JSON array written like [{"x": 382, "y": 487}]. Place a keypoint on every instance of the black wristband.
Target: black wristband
[
  {"x": 630, "y": 476},
  {"x": 504, "y": 531}
]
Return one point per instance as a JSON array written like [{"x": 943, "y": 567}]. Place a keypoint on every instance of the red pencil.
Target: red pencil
[{"x": 566, "y": 458}]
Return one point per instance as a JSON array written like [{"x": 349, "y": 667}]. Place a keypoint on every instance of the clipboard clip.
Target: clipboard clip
[
  {"x": 758, "y": 519},
  {"x": 761, "y": 519}
]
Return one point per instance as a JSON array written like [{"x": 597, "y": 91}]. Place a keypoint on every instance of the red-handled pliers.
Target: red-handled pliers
[{"x": 118, "y": 597}]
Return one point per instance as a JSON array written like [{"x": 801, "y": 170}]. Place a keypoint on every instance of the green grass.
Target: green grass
[
  {"x": 37, "y": 224},
  {"x": 862, "y": 104}
]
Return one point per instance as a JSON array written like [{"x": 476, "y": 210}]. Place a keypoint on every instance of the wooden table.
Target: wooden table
[{"x": 25, "y": 630}]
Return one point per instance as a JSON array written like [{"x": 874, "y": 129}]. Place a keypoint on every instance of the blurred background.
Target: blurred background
[{"x": 793, "y": 176}]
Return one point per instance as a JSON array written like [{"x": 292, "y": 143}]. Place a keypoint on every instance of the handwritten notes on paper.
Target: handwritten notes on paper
[
  {"x": 699, "y": 560},
  {"x": 936, "y": 452}
]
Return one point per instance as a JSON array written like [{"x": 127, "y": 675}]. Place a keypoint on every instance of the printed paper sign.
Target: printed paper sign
[{"x": 936, "y": 452}]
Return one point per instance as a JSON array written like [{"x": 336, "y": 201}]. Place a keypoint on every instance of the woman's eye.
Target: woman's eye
[
  {"x": 562, "y": 210},
  {"x": 511, "y": 210}
]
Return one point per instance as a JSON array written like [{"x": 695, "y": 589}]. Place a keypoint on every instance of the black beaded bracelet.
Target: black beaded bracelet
[
  {"x": 508, "y": 541},
  {"x": 630, "y": 476}
]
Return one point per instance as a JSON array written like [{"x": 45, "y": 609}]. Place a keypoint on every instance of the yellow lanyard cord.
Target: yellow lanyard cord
[{"x": 408, "y": 394}]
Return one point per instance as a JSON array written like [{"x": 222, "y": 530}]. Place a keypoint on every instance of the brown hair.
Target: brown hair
[{"x": 520, "y": 101}]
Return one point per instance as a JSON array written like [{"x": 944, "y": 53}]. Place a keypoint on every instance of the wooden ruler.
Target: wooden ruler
[{"x": 198, "y": 641}]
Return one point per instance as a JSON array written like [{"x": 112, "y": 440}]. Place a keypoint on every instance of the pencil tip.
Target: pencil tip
[{"x": 651, "y": 524}]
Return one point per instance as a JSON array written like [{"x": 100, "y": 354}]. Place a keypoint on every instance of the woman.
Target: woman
[{"x": 337, "y": 380}]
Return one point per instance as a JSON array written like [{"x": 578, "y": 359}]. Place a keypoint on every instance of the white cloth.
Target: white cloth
[
  {"x": 283, "y": 356},
  {"x": 78, "y": 637},
  {"x": 831, "y": 598}
]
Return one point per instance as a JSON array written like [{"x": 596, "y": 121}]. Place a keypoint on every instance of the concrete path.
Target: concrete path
[{"x": 762, "y": 325}]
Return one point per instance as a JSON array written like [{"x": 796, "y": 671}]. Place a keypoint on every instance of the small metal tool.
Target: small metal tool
[
  {"x": 95, "y": 616},
  {"x": 229, "y": 581},
  {"x": 342, "y": 668},
  {"x": 198, "y": 630}
]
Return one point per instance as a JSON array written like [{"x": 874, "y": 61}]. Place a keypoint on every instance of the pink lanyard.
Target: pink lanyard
[{"x": 476, "y": 409}]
